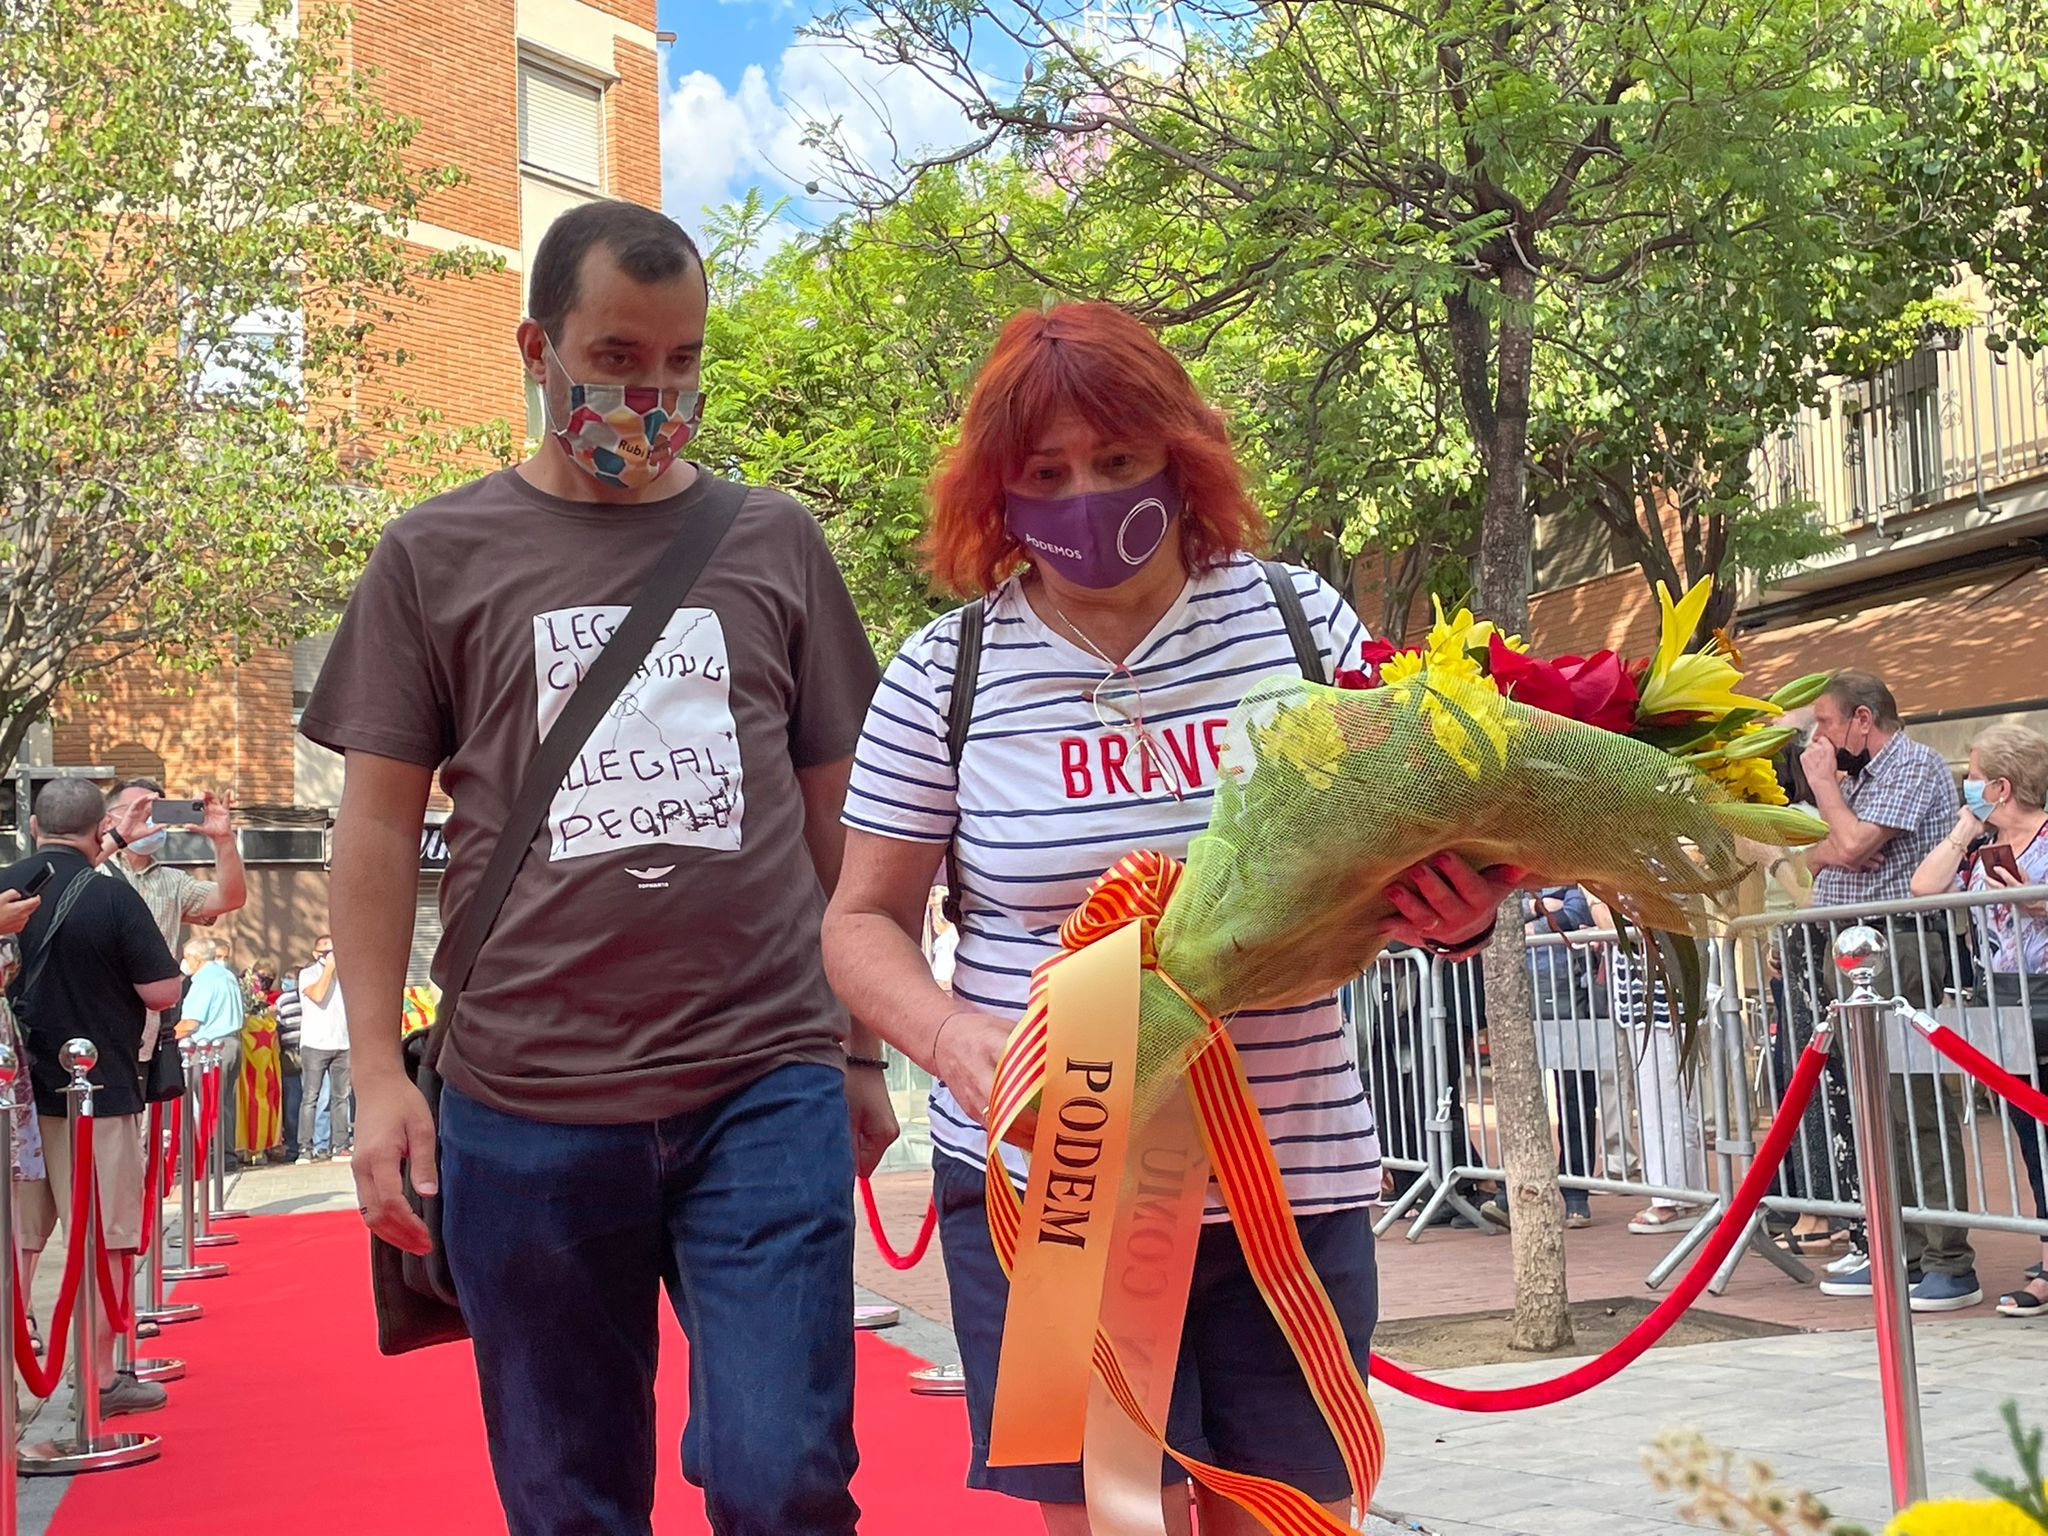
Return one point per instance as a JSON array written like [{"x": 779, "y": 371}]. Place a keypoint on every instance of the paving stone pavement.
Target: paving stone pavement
[{"x": 1807, "y": 1404}]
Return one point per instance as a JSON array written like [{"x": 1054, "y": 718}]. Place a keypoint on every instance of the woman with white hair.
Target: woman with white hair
[{"x": 2000, "y": 842}]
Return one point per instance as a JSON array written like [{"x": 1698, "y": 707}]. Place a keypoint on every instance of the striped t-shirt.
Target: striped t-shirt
[{"x": 1048, "y": 796}]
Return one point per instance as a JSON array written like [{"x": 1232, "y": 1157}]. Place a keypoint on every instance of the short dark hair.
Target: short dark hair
[
  {"x": 1864, "y": 690},
  {"x": 69, "y": 807},
  {"x": 650, "y": 247},
  {"x": 122, "y": 786}
]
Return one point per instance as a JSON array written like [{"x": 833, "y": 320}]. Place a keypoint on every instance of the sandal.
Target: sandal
[
  {"x": 1651, "y": 1220},
  {"x": 2023, "y": 1302},
  {"x": 1806, "y": 1244}
]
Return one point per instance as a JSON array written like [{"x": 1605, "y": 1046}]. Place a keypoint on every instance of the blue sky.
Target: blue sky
[{"x": 740, "y": 84}]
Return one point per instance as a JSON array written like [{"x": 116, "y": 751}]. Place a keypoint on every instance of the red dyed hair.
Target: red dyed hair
[{"x": 1107, "y": 368}]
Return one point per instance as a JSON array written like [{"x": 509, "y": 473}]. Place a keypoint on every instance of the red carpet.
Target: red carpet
[{"x": 289, "y": 1423}]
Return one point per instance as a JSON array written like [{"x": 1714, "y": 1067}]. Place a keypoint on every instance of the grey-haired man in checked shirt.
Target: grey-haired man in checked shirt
[{"x": 1888, "y": 800}]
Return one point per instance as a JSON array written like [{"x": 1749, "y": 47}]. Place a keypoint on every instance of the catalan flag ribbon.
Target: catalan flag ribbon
[{"x": 259, "y": 1088}]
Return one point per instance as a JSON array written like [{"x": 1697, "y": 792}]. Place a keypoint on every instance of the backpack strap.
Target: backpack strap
[
  {"x": 1307, "y": 654},
  {"x": 959, "y": 716},
  {"x": 40, "y": 958}
]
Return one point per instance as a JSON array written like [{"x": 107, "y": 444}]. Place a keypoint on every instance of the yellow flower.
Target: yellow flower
[
  {"x": 1965, "y": 1517},
  {"x": 1747, "y": 778},
  {"x": 1402, "y": 666},
  {"x": 1461, "y": 632},
  {"x": 1698, "y": 682},
  {"x": 1306, "y": 735},
  {"x": 1456, "y": 706}
]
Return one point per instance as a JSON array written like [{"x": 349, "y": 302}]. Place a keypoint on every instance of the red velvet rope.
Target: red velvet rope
[
  {"x": 170, "y": 1163},
  {"x": 209, "y": 1120},
  {"x": 890, "y": 1256},
  {"x": 153, "y": 1152},
  {"x": 2016, "y": 1090},
  {"x": 110, "y": 1294},
  {"x": 1733, "y": 1224},
  {"x": 41, "y": 1377}
]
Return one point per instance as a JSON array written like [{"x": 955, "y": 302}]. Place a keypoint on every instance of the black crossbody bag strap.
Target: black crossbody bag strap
[
  {"x": 674, "y": 574},
  {"x": 959, "y": 716},
  {"x": 1307, "y": 654},
  {"x": 34, "y": 971},
  {"x": 415, "y": 1294}
]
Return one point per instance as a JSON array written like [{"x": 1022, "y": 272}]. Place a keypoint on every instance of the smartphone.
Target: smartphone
[
  {"x": 38, "y": 880},
  {"x": 1998, "y": 856},
  {"x": 177, "y": 813}
]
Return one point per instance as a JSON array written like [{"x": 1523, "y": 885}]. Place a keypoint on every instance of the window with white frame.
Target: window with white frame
[{"x": 561, "y": 124}]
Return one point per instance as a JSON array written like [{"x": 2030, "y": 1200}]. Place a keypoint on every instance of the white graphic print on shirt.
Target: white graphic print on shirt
[{"x": 663, "y": 766}]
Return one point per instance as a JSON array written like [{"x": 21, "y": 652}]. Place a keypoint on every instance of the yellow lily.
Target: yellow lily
[
  {"x": 1461, "y": 632},
  {"x": 1965, "y": 1517},
  {"x": 1306, "y": 735},
  {"x": 1681, "y": 682}
]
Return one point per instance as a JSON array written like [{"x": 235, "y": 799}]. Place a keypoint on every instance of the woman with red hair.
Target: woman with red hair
[{"x": 1095, "y": 513}]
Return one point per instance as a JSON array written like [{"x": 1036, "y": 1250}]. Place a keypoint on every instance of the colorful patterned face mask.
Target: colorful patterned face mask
[{"x": 626, "y": 435}]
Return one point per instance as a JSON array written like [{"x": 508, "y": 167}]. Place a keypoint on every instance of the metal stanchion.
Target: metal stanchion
[
  {"x": 10, "y": 1432},
  {"x": 155, "y": 1310},
  {"x": 203, "y": 1235},
  {"x": 190, "y": 1267},
  {"x": 939, "y": 1381},
  {"x": 1860, "y": 952},
  {"x": 88, "y": 1448},
  {"x": 217, "y": 1208},
  {"x": 869, "y": 1319}
]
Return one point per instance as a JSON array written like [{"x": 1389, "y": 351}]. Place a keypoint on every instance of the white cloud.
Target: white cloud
[{"x": 717, "y": 143}]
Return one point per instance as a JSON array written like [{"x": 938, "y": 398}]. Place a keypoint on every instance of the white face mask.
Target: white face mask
[{"x": 151, "y": 842}]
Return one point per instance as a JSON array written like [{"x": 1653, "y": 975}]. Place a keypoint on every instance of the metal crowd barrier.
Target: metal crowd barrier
[{"x": 1628, "y": 1121}]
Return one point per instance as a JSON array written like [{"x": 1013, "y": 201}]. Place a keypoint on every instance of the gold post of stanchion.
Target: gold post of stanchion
[
  {"x": 88, "y": 1448},
  {"x": 1860, "y": 954}
]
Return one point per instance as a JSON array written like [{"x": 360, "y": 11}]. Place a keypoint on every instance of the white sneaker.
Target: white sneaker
[
  {"x": 304, "y": 1160},
  {"x": 1848, "y": 1261}
]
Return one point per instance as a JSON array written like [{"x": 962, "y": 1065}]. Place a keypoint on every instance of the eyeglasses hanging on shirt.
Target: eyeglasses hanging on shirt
[{"x": 1119, "y": 704}]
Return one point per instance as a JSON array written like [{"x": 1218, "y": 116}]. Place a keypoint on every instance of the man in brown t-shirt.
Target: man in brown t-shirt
[{"x": 648, "y": 1082}]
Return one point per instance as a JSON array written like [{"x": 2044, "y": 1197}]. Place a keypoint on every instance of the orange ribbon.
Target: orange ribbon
[{"x": 1137, "y": 891}]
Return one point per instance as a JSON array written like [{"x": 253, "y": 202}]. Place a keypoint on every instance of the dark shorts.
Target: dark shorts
[{"x": 1239, "y": 1398}]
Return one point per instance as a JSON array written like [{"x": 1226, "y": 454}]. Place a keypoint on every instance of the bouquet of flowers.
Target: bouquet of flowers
[{"x": 1632, "y": 779}]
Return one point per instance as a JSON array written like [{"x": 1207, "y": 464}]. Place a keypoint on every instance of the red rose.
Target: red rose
[
  {"x": 1596, "y": 690},
  {"x": 1351, "y": 677}
]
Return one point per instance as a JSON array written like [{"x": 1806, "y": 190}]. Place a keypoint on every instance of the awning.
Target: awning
[{"x": 1966, "y": 649}]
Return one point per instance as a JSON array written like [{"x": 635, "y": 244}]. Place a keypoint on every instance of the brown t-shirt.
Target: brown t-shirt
[{"x": 660, "y": 947}]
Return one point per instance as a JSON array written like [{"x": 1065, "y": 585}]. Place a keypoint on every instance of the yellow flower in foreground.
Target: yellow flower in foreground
[
  {"x": 1699, "y": 682},
  {"x": 1402, "y": 666},
  {"x": 1463, "y": 713},
  {"x": 1306, "y": 735},
  {"x": 1747, "y": 778},
  {"x": 1965, "y": 1517}
]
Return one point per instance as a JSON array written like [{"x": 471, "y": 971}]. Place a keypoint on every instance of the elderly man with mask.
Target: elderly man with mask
[{"x": 1888, "y": 801}]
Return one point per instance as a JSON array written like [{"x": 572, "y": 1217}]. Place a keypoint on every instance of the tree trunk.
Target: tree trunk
[{"x": 1529, "y": 1157}]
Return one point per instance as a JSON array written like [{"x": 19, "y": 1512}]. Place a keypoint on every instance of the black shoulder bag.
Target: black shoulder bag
[
  {"x": 417, "y": 1304},
  {"x": 967, "y": 675}
]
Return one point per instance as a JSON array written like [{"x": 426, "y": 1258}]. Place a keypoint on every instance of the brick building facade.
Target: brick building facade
[{"x": 543, "y": 104}]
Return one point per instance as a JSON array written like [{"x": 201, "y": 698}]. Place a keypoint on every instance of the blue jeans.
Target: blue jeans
[
  {"x": 562, "y": 1236},
  {"x": 288, "y": 1124}
]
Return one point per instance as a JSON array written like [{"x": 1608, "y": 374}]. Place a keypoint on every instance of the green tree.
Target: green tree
[
  {"x": 1496, "y": 167},
  {"x": 200, "y": 238}
]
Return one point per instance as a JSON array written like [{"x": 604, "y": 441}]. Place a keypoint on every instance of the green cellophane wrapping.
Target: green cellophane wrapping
[{"x": 1325, "y": 795}]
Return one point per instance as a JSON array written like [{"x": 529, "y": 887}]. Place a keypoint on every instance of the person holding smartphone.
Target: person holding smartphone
[{"x": 2000, "y": 842}]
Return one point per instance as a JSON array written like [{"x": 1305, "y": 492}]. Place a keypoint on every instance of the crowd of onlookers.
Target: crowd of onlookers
[{"x": 102, "y": 941}]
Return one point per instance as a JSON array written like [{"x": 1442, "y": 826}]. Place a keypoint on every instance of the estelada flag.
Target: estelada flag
[{"x": 259, "y": 1088}]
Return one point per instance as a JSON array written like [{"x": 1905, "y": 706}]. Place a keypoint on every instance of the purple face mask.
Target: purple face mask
[{"x": 1100, "y": 539}]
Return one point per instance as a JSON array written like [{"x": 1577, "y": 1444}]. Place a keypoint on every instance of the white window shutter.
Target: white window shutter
[{"x": 561, "y": 125}]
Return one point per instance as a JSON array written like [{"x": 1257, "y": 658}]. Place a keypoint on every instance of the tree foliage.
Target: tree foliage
[
  {"x": 201, "y": 241},
  {"x": 1622, "y": 235}
]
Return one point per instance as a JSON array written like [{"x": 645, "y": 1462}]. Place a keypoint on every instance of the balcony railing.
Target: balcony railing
[{"x": 1956, "y": 420}]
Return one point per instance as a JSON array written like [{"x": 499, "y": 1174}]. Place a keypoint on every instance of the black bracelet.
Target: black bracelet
[
  {"x": 1466, "y": 950},
  {"x": 115, "y": 834},
  {"x": 872, "y": 1063}
]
